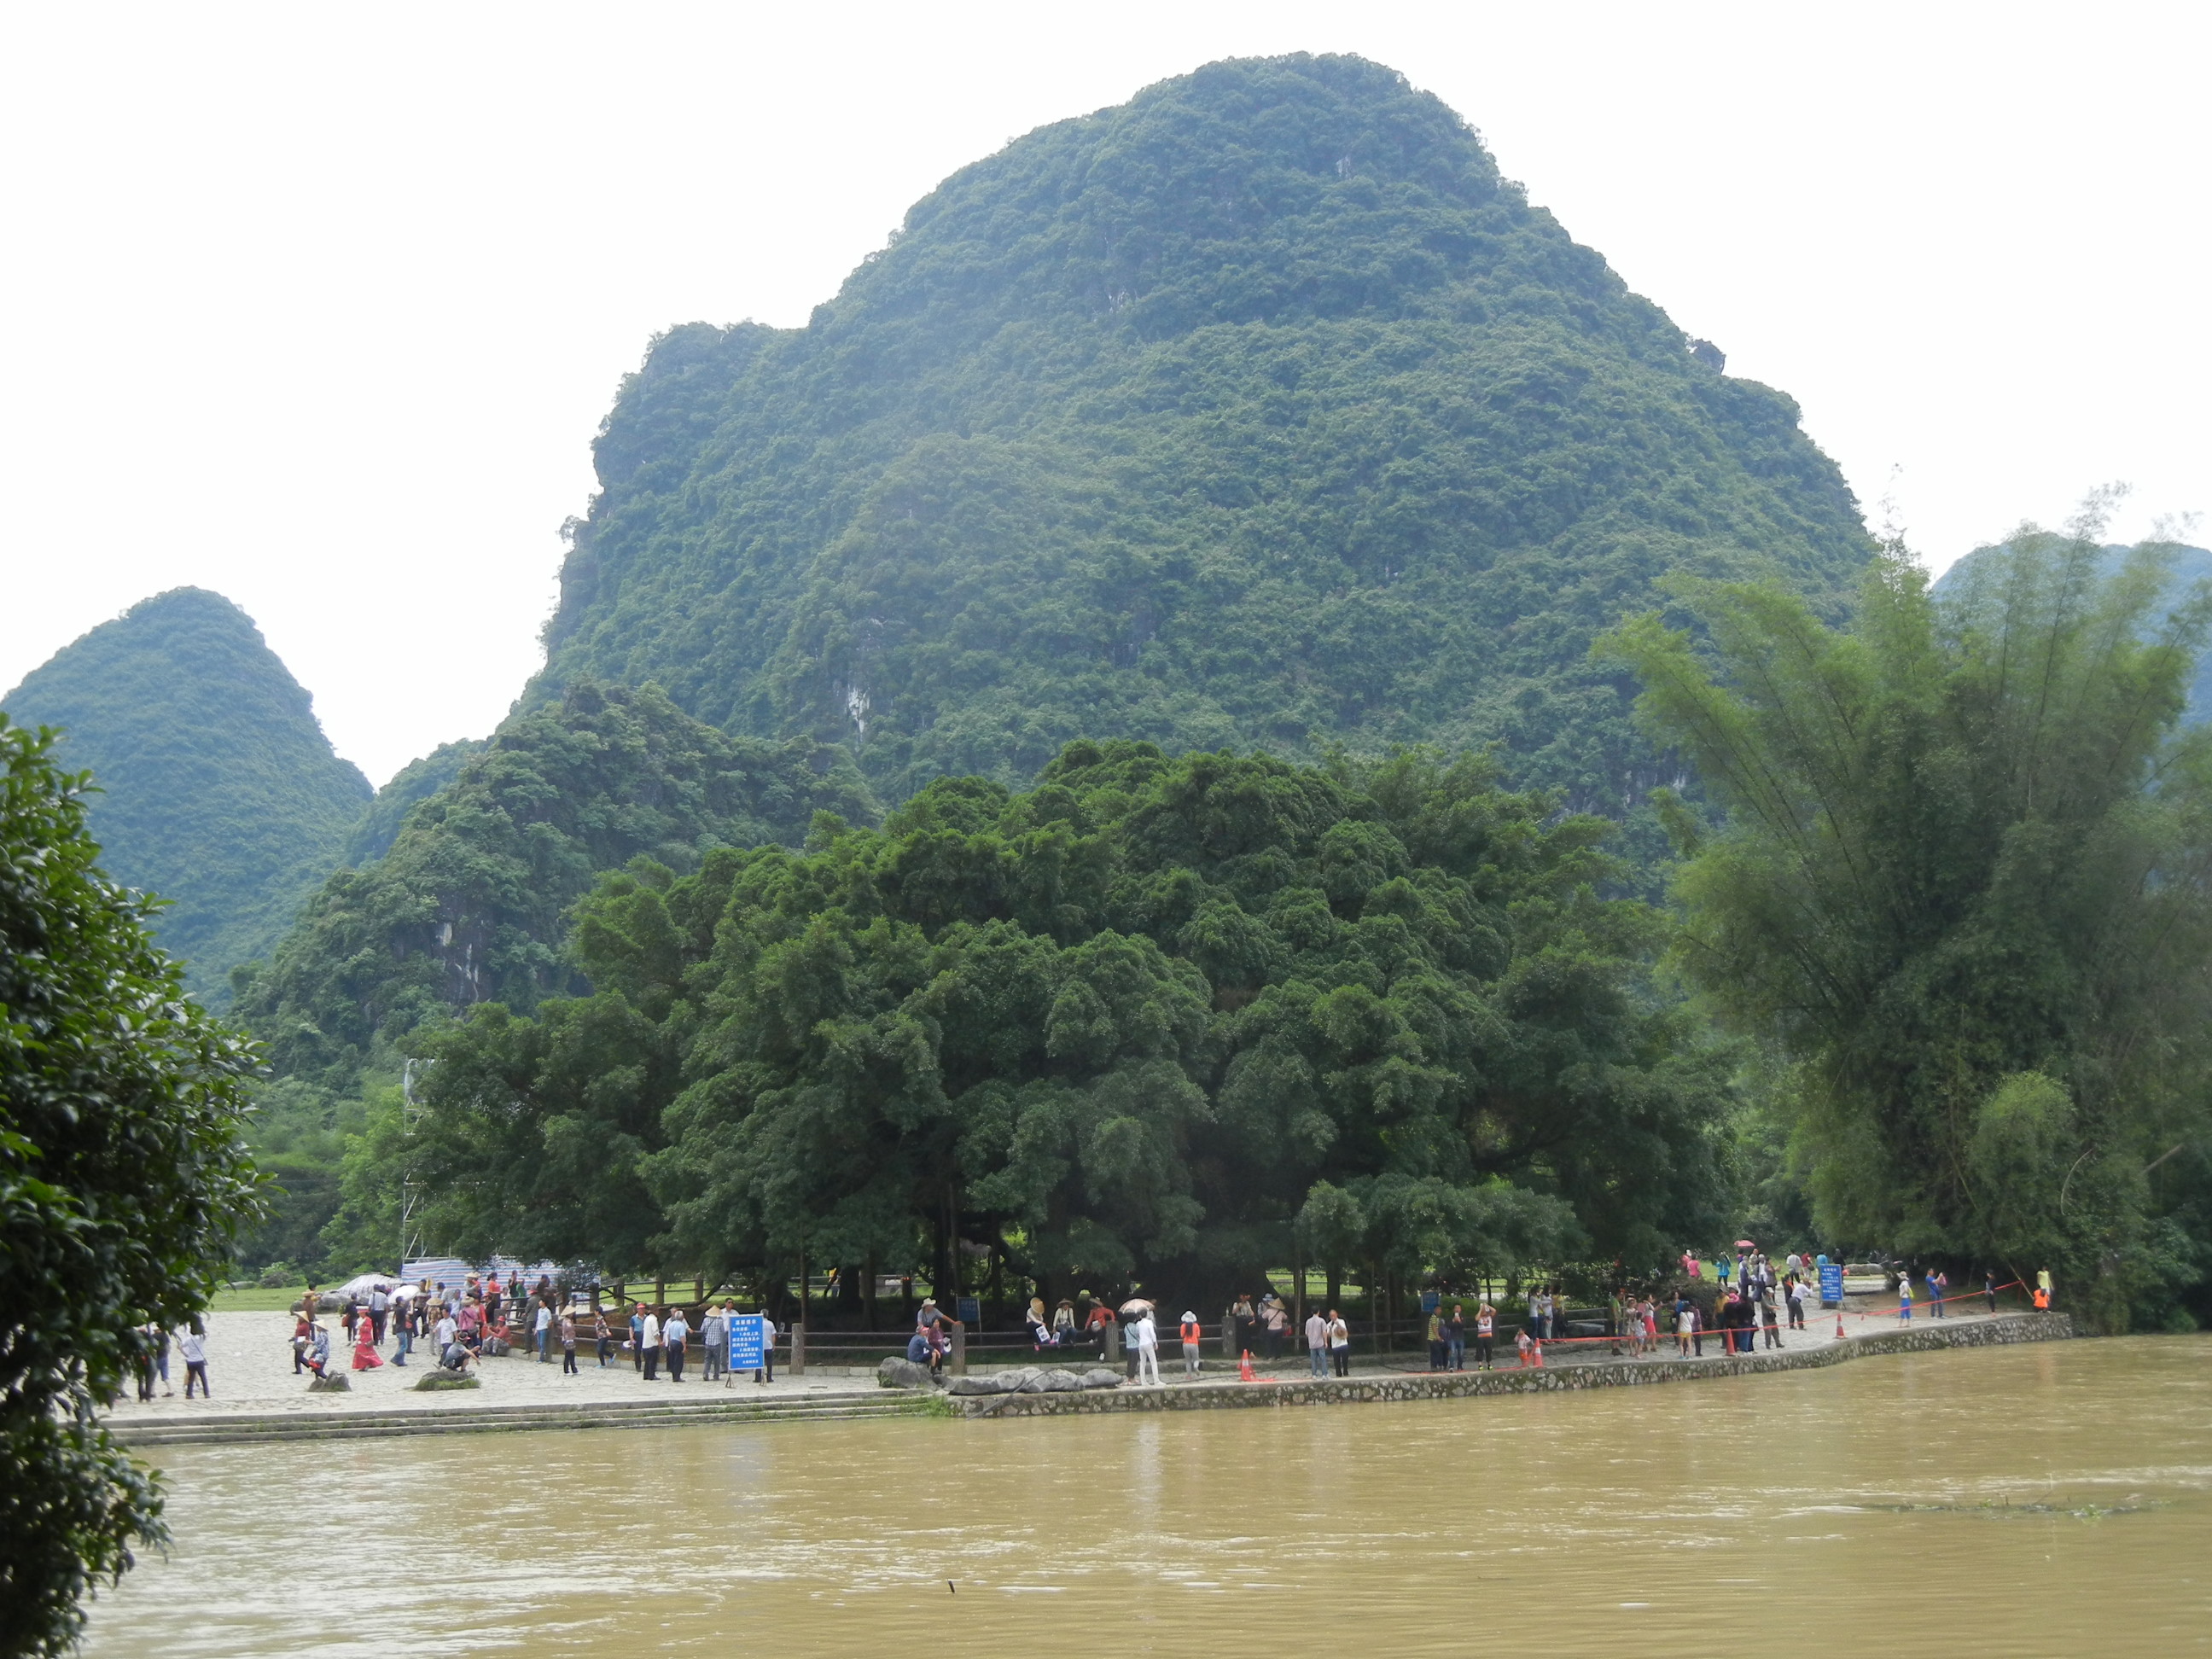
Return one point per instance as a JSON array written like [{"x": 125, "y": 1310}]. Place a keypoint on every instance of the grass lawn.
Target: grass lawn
[{"x": 253, "y": 1299}]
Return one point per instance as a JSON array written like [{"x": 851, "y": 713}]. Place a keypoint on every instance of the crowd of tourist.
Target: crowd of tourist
[
  {"x": 482, "y": 1318},
  {"x": 1740, "y": 1300}
]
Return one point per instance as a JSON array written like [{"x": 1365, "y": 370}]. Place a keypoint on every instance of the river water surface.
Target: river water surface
[{"x": 2051, "y": 1498}]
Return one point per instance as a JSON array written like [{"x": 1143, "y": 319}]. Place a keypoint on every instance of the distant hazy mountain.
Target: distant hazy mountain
[
  {"x": 220, "y": 792},
  {"x": 1259, "y": 411},
  {"x": 2191, "y": 566}
]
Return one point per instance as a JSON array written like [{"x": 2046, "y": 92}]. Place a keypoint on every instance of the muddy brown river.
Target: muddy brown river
[{"x": 2054, "y": 1499}]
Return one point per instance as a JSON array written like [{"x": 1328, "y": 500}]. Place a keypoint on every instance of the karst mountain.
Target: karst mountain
[{"x": 1259, "y": 410}]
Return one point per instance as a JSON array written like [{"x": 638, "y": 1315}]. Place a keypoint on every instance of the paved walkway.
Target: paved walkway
[
  {"x": 1863, "y": 1316},
  {"x": 250, "y": 1368}
]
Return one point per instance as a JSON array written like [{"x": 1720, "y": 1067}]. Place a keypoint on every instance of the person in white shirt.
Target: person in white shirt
[
  {"x": 544, "y": 1328},
  {"x": 193, "y": 1348},
  {"x": 1318, "y": 1343},
  {"x": 1148, "y": 1336},
  {"x": 649, "y": 1339},
  {"x": 674, "y": 1337},
  {"x": 446, "y": 1334}
]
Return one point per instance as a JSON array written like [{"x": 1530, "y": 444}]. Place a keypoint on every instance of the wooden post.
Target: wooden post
[
  {"x": 798, "y": 1348},
  {"x": 959, "y": 1349}
]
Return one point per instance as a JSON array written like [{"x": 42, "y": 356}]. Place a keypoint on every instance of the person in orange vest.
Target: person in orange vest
[
  {"x": 1190, "y": 1337},
  {"x": 2042, "y": 1287}
]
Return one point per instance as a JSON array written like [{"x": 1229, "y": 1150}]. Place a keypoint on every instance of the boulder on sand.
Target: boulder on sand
[
  {"x": 329, "y": 1383},
  {"x": 442, "y": 1378},
  {"x": 894, "y": 1373},
  {"x": 1099, "y": 1377}
]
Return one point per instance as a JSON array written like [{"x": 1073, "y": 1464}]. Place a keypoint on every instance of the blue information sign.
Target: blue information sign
[
  {"x": 745, "y": 1336},
  {"x": 968, "y": 1309},
  {"x": 1831, "y": 1283}
]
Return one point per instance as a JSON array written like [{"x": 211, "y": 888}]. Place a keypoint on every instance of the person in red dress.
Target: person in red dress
[{"x": 365, "y": 1356}]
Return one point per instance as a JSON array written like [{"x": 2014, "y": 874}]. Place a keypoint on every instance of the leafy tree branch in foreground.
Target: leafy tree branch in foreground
[{"x": 121, "y": 1178}]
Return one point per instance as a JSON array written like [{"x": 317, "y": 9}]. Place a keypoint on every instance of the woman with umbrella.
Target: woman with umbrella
[{"x": 1133, "y": 1313}]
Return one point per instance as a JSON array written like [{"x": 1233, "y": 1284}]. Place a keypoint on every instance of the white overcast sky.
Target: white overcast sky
[{"x": 319, "y": 307}]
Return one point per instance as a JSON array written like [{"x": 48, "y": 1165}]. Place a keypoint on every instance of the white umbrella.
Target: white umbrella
[
  {"x": 1136, "y": 1304},
  {"x": 367, "y": 1282}
]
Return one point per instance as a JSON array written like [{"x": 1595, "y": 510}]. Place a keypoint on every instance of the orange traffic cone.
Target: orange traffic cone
[
  {"x": 1537, "y": 1354},
  {"x": 1244, "y": 1368},
  {"x": 1839, "y": 1324}
]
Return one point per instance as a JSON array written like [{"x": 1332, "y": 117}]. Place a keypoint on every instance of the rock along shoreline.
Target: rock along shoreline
[{"x": 1231, "y": 1395}]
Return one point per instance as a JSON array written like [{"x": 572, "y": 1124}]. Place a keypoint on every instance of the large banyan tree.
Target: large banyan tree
[{"x": 1172, "y": 1020}]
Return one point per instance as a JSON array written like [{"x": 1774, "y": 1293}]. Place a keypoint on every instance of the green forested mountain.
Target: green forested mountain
[
  {"x": 219, "y": 791},
  {"x": 468, "y": 903},
  {"x": 415, "y": 782},
  {"x": 1259, "y": 411}
]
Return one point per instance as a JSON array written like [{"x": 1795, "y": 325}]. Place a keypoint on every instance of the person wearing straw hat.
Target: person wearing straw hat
[{"x": 1190, "y": 1338}]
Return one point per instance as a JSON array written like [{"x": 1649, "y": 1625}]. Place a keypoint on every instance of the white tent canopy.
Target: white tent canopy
[{"x": 359, "y": 1288}]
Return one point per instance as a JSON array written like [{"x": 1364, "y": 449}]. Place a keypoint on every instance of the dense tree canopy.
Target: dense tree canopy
[
  {"x": 217, "y": 787},
  {"x": 1966, "y": 881},
  {"x": 469, "y": 903},
  {"x": 1260, "y": 410},
  {"x": 1155, "y": 1017},
  {"x": 122, "y": 1176}
]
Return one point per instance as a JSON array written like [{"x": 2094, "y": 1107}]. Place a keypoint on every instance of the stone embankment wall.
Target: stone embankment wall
[{"x": 1229, "y": 1395}]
